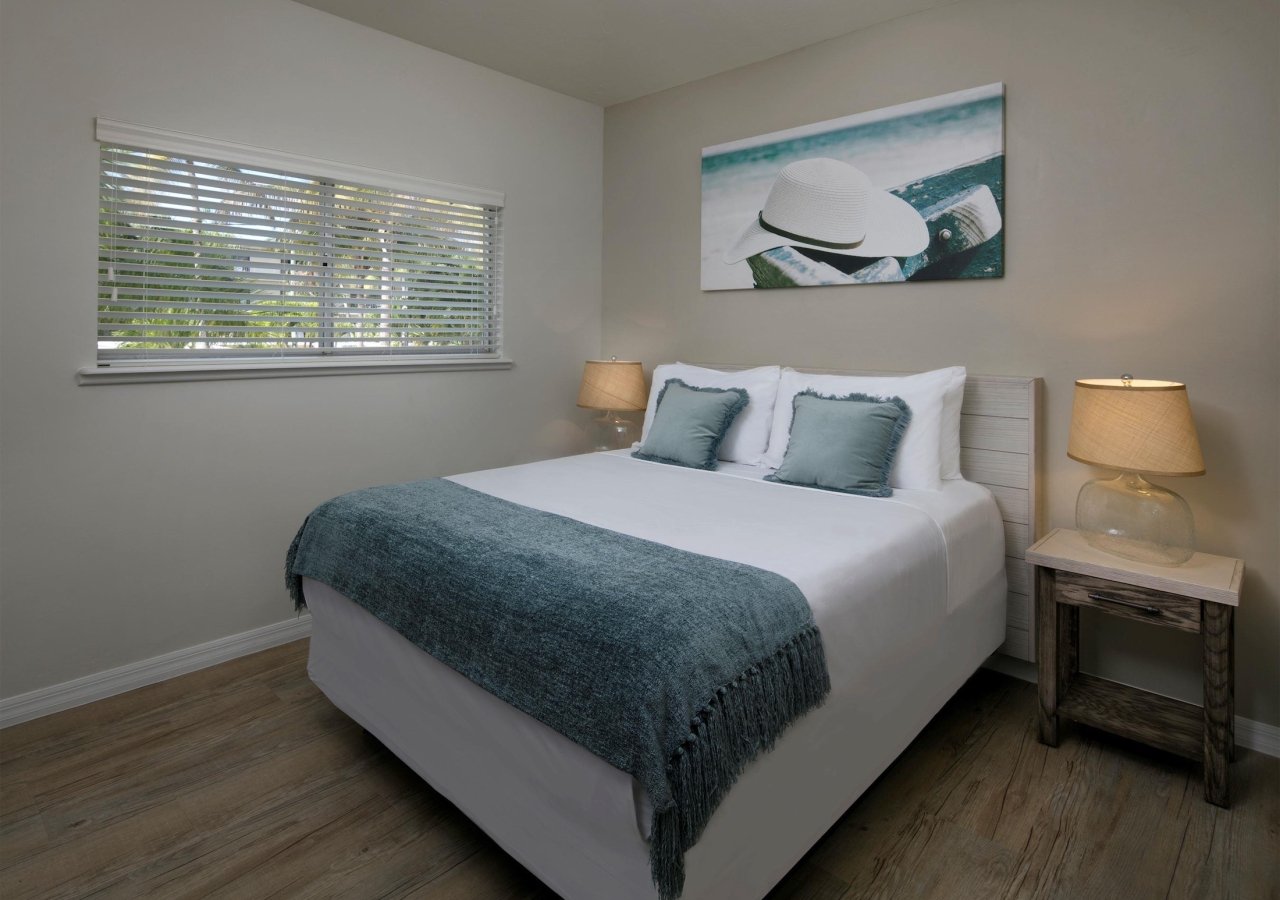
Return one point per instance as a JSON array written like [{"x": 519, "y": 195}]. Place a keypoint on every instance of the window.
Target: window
[{"x": 217, "y": 253}]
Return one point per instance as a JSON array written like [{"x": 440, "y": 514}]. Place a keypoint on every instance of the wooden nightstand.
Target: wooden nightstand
[{"x": 1199, "y": 596}]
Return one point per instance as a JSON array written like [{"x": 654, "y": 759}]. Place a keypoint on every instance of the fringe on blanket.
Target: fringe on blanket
[
  {"x": 291, "y": 581},
  {"x": 743, "y": 719}
]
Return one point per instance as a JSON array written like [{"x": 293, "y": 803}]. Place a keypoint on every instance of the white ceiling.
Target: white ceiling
[{"x": 609, "y": 51}]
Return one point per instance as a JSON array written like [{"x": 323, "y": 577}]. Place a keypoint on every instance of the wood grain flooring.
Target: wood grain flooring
[{"x": 242, "y": 781}]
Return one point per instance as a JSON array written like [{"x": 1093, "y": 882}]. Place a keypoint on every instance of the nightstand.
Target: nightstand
[{"x": 1199, "y": 596}]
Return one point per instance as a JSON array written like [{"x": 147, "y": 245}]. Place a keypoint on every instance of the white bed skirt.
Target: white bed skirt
[{"x": 575, "y": 821}]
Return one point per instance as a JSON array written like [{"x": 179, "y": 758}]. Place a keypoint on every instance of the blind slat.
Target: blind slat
[
  {"x": 347, "y": 289},
  {"x": 127, "y": 245},
  {"x": 231, "y": 353},
  {"x": 268, "y": 206},
  {"x": 135, "y": 269},
  {"x": 297, "y": 332},
  {"x": 171, "y": 190},
  {"x": 284, "y": 277},
  {"x": 253, "y": 179},
  {"x": 144, "y": 308},
  {"x": 320, "y": 346},
  {"x": 177, "y": 297},
  {"x": 260, "y": 246},
  {"x": 133, "y": 218}
]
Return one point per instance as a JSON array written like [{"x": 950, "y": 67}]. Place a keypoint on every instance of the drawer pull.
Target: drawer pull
[{"x": 1111, "y": 598}]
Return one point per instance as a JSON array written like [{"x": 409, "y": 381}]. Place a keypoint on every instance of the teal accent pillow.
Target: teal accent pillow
[
  {"x": 689, "y": 423},
  {"x": 844, "y": 443}
]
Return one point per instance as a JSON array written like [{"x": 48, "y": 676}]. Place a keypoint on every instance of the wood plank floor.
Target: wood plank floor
[{"x": 242, "y": 781}]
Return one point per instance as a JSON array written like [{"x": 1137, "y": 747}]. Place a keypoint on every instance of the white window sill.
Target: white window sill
[{"x": 131, "y": 373}]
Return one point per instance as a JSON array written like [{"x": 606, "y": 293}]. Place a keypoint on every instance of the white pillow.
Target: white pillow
[
  {"x": 951, "y": 403},
  {"x": 749, "y": 435},
  {"x": 919, "y": 462}
]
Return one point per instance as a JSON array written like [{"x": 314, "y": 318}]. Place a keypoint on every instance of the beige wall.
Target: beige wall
[
  {"x": 140, "y": 519},
  {"x": 1142, "y": 221}
]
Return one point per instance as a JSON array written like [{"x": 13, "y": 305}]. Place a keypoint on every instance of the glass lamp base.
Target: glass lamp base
[
  {"x": 1131, "y": 517},
  {"x": 611, "y": 431}
]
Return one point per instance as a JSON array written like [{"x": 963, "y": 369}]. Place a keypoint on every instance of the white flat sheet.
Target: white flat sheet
[{"x": 908, "y": 594}]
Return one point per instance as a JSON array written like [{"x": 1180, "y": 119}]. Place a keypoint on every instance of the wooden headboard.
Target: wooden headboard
[{"x": 999, "y": 423}]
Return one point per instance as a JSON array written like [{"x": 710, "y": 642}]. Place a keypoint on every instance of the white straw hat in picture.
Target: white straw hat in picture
[{"x": 825, "y": 204}]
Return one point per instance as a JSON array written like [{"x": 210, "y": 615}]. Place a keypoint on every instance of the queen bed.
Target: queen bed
[{"x": 910, "y": 593}]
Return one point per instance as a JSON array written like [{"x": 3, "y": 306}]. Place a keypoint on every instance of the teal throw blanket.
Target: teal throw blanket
[{"x": 676, "y": 668}]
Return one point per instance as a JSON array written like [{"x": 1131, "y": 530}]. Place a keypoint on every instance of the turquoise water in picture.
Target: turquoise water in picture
[{"x": 895, "y": 147}]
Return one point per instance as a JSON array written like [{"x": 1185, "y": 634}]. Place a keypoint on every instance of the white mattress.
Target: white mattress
[{"x": 908, "y": 592}]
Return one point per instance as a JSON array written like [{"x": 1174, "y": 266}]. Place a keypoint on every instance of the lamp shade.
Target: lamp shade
[
  {"x": 1134, "y": 425},
  {"x": 612, "y": 384}
]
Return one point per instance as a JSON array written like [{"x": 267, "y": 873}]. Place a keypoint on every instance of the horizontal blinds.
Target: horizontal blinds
[{"x": 204, "y": 258}]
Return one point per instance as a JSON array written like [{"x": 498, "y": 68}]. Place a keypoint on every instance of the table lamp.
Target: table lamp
[
  {"x": 1138, "y": 427},
  {"x": 613, "y": 386}
]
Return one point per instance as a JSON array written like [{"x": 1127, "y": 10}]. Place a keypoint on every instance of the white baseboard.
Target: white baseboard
[
  {"x": 1258, "y": 736},
  {"x": 79, "y": 691},
  {"x": 1007, "y": 665},
  {"x": 1249, "y": 734}
]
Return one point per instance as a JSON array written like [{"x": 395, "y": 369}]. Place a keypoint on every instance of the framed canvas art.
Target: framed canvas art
[{"x": 911, "y": 192}]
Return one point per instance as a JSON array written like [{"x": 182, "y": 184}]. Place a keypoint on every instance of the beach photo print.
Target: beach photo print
[{"x": 912, "y": 192}]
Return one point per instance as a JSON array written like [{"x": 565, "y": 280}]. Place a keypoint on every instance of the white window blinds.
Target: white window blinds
[{"x": 206, "y": 258}]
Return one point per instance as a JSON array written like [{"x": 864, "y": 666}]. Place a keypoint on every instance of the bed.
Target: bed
[{"x": 911, "y": 594}]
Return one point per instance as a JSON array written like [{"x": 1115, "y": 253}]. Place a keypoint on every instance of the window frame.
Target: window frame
[{"x": 118, "y": 370}]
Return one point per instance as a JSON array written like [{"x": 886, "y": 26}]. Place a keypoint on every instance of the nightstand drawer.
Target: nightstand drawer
[{"x": 1128, "y": 601}]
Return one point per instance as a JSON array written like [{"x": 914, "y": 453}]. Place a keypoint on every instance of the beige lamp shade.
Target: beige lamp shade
[
  {"x": 613, "y": 384},
  {"x": 1134, "y": 425}
]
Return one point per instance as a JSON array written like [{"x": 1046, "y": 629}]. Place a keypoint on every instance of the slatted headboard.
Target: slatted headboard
[{"x": 998, "y": 427}]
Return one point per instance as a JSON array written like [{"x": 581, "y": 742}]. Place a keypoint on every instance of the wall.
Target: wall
[
  {"x": 1142, "y": 163},
  {"x": 140, "y": 519}
]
